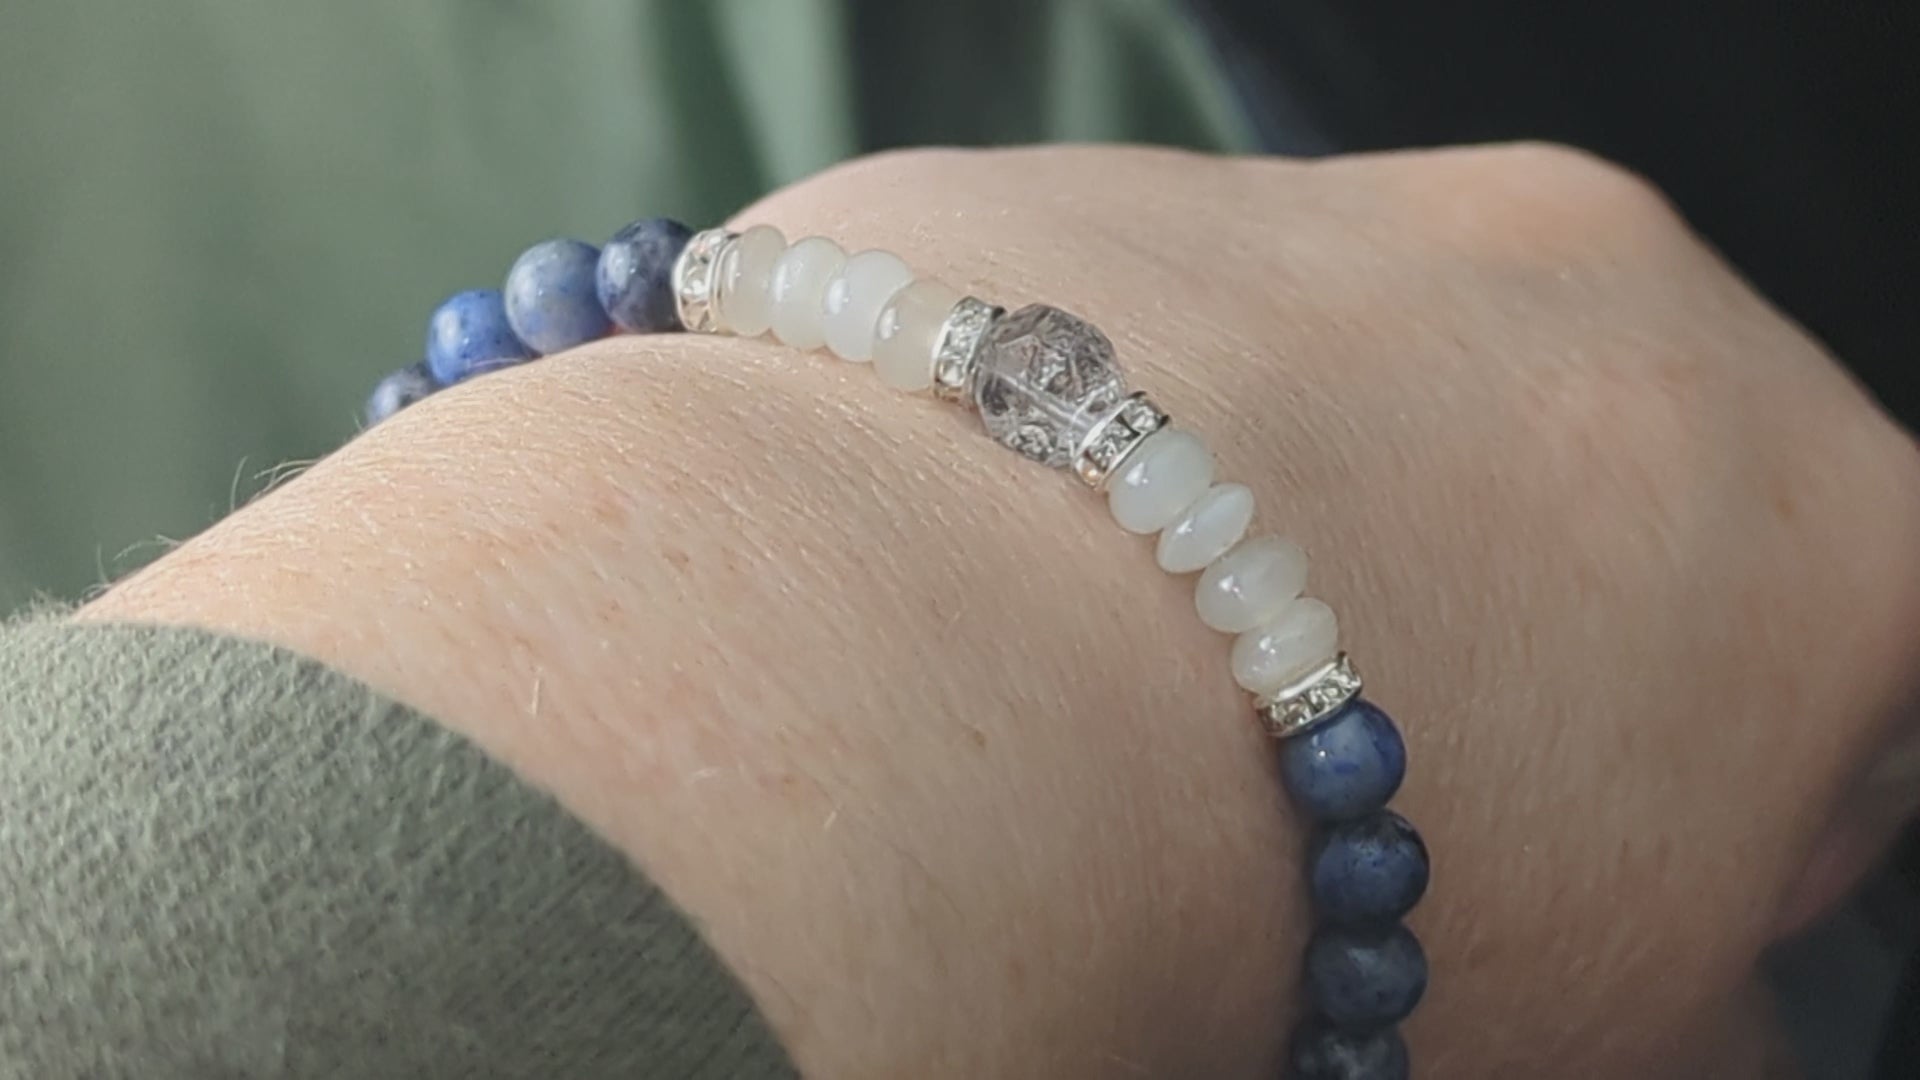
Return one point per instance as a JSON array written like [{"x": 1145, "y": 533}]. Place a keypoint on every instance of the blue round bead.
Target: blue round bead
[
  {"x": 469, "y": 335},
  {"x": 551, "y": 298},
  {"x": 1348, "y": 766},
  {"x": 1323, "y": 1052},
  {"x": 635, "y": 276},
  {"x": 1372, "y": 869},
  {"x": 399, "y": 390},
  {"x": 1365, "y": 978}
]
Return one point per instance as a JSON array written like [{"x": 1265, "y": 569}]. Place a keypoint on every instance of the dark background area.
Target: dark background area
[{"x": 1785, "y": 132}]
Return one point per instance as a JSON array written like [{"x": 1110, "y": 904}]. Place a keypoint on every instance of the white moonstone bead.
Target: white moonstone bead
[
  {"x": 855, "y": 297},
  {"x": 745, "y": 274},
  {"x": 1250, "y": 584},
  {"x": 908, "y": 334},
  {"x": 797, "y": 287},
  {"x": 1302, "y": 637},
  {"x": 1168, "y": 471},
  {"x": 1215, "y": 522}
]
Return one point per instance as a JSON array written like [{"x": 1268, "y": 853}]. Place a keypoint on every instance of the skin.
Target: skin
[{"x": 951, "y": 773}]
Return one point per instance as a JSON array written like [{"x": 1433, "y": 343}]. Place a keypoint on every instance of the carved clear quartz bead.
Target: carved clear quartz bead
[{"x": 1043, "y": 380}]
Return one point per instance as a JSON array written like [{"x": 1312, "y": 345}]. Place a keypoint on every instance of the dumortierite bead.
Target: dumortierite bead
[
  {"x": 399, "y": 390},
  {"x": 469, "y": 335},
  {"x": 1365, "y": 978},
  {"x": 551, "y": 296},
  {"x": 1370, "y": 870},
  {"x": 635, "y": 276},
  {"x": 1323, "y": 1052},
  {"x": 1349, "y": 765}
]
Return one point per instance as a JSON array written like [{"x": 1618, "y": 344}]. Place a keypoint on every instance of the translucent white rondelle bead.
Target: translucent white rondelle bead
[
  {"x": 855, "y": 297},
  {"x": 1168, "y": 471},
  {"x": 1302, "y": 637},
  {"x": 1204, "y": 531},
  {"x": 745, "y": 273},
  {"x": 797, "y": 287},
  {"x": 1250, "y": 584},
  {"x": 908, "y": 333}
]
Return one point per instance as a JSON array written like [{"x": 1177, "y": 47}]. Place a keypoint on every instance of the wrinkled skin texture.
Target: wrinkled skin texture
[{"x": 949, "y": 770}]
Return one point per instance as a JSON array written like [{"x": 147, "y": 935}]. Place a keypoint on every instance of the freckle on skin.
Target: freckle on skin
[{"x": 1783, "y": 505}]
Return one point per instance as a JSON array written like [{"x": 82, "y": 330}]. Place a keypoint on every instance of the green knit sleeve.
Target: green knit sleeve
[{"x": 220, "y": 859}]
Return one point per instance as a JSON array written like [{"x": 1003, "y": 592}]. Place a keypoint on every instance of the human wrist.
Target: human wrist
[
  {"x": 1542, "y": 474},
  {"x": 638, "y": 574}
]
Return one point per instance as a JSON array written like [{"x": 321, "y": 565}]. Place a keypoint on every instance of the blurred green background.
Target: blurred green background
[{"x": 222, "y": 221}]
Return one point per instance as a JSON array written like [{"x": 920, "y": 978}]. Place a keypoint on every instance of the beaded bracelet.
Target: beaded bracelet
[{"x": 1046, "y": 384}]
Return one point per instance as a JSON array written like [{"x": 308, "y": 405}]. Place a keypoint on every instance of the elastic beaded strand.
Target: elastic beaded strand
[
  {"x": 399, "y": 390},
  {"x": 855, "y": 298},
  {"x": 745, "y": 280},
  {"x": 1367, "y": 871},
  {"x": 1321, "y": 1051},
  {"x": 1047, "y": 385},
  {"x": 468, "y": 335},
  {"x": 558, "y": 294},
  {"x": 907, "y": 335},
  {"x": 634, "y": 280},
  {"x": 797, "y": 290},
  {"x": 1253, "y": 581},
  {"x": 551, "y": 297},
  {"x": 1206, "y": 530}
]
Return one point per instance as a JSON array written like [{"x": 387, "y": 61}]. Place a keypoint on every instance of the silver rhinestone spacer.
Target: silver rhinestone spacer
[
  {"x": 696, "y": 283},
  {"x": 1113, "y": 440},
  {"x": 1312, "y": 698},
  {"x": 959, "y": 348}
]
